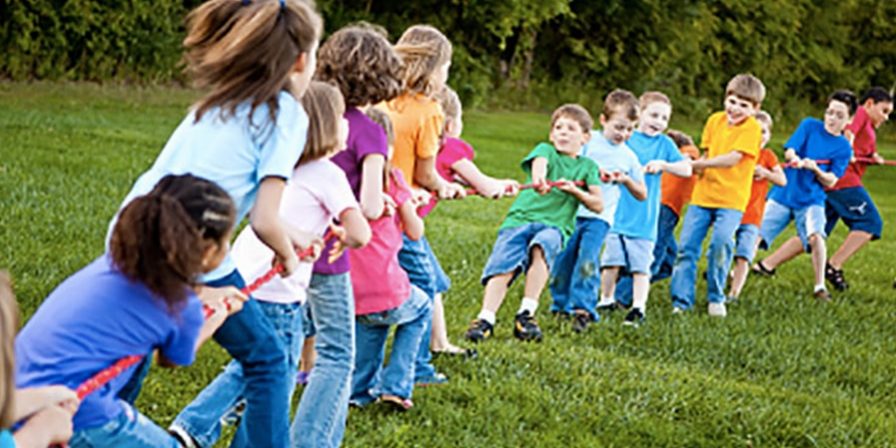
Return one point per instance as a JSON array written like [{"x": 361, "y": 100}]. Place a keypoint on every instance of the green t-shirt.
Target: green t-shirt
[{"x": 555, "y": 208}]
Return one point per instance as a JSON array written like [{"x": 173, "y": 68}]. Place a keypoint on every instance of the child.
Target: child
[
  {"x": 317, "y": 194},
  {"x": 45, "y": 412},
  {"x": 631, "y": 240},
  {"x": 746, "y": 239},
  {"x": 418, "y": 122},
  {"x": 455, "y": 162},
  {"x": 384, "y": 297},
  {"x": 576, "y": 275},
  {"x": 802, "y": 200},
  {"x": 137, "y": 298},
  {"x": 539, "y": 221},
  {"x": 731, "y": 139}
]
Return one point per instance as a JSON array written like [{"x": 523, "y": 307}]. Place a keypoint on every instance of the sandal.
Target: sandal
[
  {"x": 466, "y": 353},
  {"x": 397, "y": 403},
  {"x": 760, "y": 269}
]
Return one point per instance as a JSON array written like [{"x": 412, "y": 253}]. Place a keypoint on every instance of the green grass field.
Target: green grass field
[{"x": 781, "y": 370}]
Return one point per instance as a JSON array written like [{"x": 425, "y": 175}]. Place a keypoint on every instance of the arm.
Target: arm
[
  {"x": 410, "y": 220},
  {"x": 265, "y": 221},
  {"x": 682, "y": 168},
  {"x": 539, "y": 169},
  {"x": 425, "y": 174},
  {"x": 51, "y": 425},
  {"x": 591, "y": 199},
  {"x": 637, "y": 189},
  {"x": 824, "y": 178},
  {"x": 372, "y": 201},
  {"x": 485, "y": 185},
  {"x": 776, "y": 175},
  {"x": 357, "y": 231},
  {"x": 30, "y": 401},
  {"x": 723, "y": 161},
  {"x": 223, "y": 303}
]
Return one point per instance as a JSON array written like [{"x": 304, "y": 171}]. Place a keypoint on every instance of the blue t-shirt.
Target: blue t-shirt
[
  {"x": 812, "y": 141},
  {"x": 6, "y": 440},
  {"x": 638, "y": 219},
  {"x": 610, "y": 158},
  {"x": 94, "y": 318},
  {"x": 233, "y": 153}
]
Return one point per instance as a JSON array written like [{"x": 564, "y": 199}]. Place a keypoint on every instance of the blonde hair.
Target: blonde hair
[
  {"x": 746, "y": 87},
  {"x": 245, "y": 50},
  {"x": 653, "y": 96},
  {"x": 450, "y": 103},
  {"x": 325, "y": 106},
  {"x": 620, "y": 102},
  {"x": 381, "y": 118},
  {"x": 424, "y": 49},
  {"x": 764, "y": 117},
  {"x": 9, "y": 325},
  {"x": 574, "y": 112}
]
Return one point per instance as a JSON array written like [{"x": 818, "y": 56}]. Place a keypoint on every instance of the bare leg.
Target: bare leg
[
  {"x": 439, "y": 341},
  {"x": 853, "y": 242},
  {"x": 739, "y": 276},
  {"x": 308, "y": 355},
  {"x": 640, "y": 290},
  {"x": 788, "y": 251},
  {"x": 819, "y": 257},
  {"x": 608, "y": 278},
  {"x": 495, "y": 290},
  {"x": 537, "y": 275}
]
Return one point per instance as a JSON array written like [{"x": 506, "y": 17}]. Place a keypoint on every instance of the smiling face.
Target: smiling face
[
  {"x": 878, "y": 112},
  {"x": 836, "y": 117},
  {"x": 738, "y": 109},
  {"x": 568, "y": 136},
  {"x": 655, "y": 118},
  {"x": 617, "y": 129}
]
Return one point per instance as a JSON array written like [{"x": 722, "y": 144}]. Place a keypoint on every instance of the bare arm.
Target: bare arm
[
  {"x": 425, "y": 174},
  {"x": 410, "y": 220},
  {"x": 265, "y": 221},
  {"x": 29, "y": 401},
  {"x": 591, "y": 199},
  {"x": 775, "y": 176},
  {"x": 824, "y": 178},
  {"x": 723, "y": 161},
  {"x": 637, "y": 189},
  {"x": 485, "y": 185},
  {"x": 372, "y": 202},
  {"x": 357, "y": 230}
]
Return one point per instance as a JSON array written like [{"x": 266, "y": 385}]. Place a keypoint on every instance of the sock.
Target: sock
[
  {"x": 820, "y": 287},
  {"x": 528, "y": 305},
  {"x": 488, "y": 316},
  {"x": 606, "y": 301}
]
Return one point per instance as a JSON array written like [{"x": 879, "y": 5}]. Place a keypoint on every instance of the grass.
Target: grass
[{"x": 781, "y": 370}]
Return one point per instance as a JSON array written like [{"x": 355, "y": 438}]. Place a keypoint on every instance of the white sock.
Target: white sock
[
  {"x": 820, "y": 287},
  {"x": 529, "y": 305},
  {"x": 606, "y": 301},
  {"x": 488, "y": 316}
]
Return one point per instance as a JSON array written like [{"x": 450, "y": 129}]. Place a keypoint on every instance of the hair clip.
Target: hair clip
[{"x": 247, "y": 2}]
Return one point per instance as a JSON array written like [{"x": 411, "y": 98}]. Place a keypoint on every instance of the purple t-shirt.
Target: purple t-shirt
[{"x": 365, "y": 137}]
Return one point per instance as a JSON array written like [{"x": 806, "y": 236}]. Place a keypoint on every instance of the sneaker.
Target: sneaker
[
  {"x": 760, "y": 269},
  {"x": 835, "y": 277},
  {"x": 581, "y": 321},
  {"x": 634, "y": 318},
  {"x": 302, "y": 377},
  {"x": 607, "y": 307},
  {"x": 822, "y": 295},
  {"x": 525, "y": 327},
  {"x": 678, "y": 310},
  {"x": 717, "y": 309},
  {"x": 479, "y": 330},
  {"x": 182, "y": 436},
  {"x": 436, "y": 379}
]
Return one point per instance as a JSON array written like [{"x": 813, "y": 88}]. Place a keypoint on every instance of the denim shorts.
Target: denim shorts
[
  {"x": 634, "y": 255},
  {"x": 745, "y": 242},
  {"x": 855, "y": 207},
  {"x": 422, "y": 266},
  {"x": 510, "y": 253},
  {"x": 809, "y": 221}
]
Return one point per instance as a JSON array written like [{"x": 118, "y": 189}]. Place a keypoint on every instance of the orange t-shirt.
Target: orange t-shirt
[
  {"x": 756, "y": 206},
  {"x": 728, "y": 187},
  {"x": 677, "y": 190},
  {"x": 418, "y": 123}
]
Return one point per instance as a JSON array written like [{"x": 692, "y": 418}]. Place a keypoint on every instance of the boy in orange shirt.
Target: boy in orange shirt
[
  {"x": 746, "y": 239},
  {"x": 732, "y": 139}
]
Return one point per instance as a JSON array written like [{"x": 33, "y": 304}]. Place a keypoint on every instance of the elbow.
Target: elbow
[
  {"x": 263, "y": 228},
  {"x": 415, "y": 234},
  {"x": 372, "y": 211},
  {"x": 597, "y": 206},
  {"x": 641, "y": 194},
  {"x": 359, "y": 238}
]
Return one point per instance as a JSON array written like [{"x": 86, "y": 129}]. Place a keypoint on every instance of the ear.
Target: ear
[
  {"x": 602, "y": 119},
  {"x": 209, "y": 251},
  {"x": 301, "y": 62}
]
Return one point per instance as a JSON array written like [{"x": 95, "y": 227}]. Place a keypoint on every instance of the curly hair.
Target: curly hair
[
  {"x": 324, "y": 105},
  {"x": 424, "y": 49},
  {"x": 360, "y": 61},
  {"x": 9, "y": 325}
]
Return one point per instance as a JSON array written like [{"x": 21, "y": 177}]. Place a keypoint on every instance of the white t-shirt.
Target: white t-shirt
[{"x": 317, "y": 193}]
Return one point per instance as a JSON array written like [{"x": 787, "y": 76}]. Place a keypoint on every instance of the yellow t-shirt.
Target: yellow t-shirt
[
  {"x": 418, "y": 123},
  {"x": 728, "y": 187}
]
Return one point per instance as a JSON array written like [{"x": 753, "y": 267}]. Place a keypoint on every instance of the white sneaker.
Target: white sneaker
[
  {"x": 677, "y": 310},
  {"x": 717, "y": 310}
]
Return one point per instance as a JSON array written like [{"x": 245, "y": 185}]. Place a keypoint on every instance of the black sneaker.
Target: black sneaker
[
  {"x": 479, "y": 330},
  {"x": 607, "y": 307},
  {"x": 581, "y": 321},
  {"x": 835, "y": 277},
  {"x": 525, "y": 327},
  {"x": 634, "y": 318}
]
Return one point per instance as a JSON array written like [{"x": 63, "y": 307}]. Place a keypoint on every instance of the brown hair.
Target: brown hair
[
  {"x": 653, "y": 96},
  {"x": 621, "y": 102},
  {"x": 381, "y": 118},
  {"x": 746, "y": 87},
  {"x": 450, "y": 102},
  {"x": 160, "y": 237},
  {"x": 680, "y": 138},
  {"x": 324, "y": 105},
  {"x": 764, "y": 117},
  {"x": 575, "y": 112},
  {"x": 244, "y": 51},
  {"x": 360, "y": 61},
  {"x": 9, "y": 325},
  {"x": 424, "y": 49}
]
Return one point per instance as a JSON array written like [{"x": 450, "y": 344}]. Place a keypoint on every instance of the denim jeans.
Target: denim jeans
[
  {"x": 415, "y": 257},
  {"x": 320, "y": 418},
  {"x": 664, "y": 252},
  {"x": 130, "y": 429},
  {"x": 576, "y": 274},
  {"x": 697, "y": 222},
  {"x": 252, "y": 341},
  {"x": 370, "y": 379},
  {"x": 202, "y": 419}
]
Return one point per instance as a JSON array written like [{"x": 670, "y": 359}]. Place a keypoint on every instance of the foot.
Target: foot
[
  {"x": 760, "y": 269},
  {"x": 731, "y": 298},
  {"x": 678, "y": 310},
  {"x": 436, "y": 379},
  {"x": 717, "y": 309},
  {"x": 302, "y": 377},
  {"x": 607, "y": 307},
  {"x": 581, "y": 321},
  {"x": 397, "y": 403},
  {"x": 822, "y": 295},
  {"x": 835, "y": 277},
  {"x": 479, "y": 330},
  {"x": 455, "y": 351},
  {"x": 525, "y": 327},
  {"x": 634, "y": 318}
]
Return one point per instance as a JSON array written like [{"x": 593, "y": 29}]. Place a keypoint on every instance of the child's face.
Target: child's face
[
  {"x": 568, "y": 136},
  {"x": 301, "y": 76},
  {"x": 836, "y": 117},
  {"x": 878, "y": 112},
  {"x": 655, "y": 118},
  {"x": 617, "y": 129},
  {"x": 738, "y": 109},
  {"x": 766, "y": 133}
]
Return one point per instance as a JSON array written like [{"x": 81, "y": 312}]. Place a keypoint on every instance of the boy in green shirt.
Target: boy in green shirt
[{"x": 539, "y": 221}]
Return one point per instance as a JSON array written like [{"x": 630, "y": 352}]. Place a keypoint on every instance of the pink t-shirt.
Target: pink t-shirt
[
  {"x": 864, "y": 145},
  {"x": 378, "y": 281},
  {"x": 317, "y": 193},
  {"x": 452, "y": 151}
]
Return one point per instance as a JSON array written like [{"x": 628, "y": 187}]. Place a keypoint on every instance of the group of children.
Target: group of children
[{"x": 338, "y": 154}]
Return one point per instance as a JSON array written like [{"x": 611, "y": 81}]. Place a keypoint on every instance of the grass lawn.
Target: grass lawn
[{"x": 781, "y": 370}]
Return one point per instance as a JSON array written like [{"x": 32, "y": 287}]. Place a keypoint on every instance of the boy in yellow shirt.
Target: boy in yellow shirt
[{"x": 731, "y": 139}]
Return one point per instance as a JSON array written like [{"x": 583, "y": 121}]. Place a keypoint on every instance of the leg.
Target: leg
[
  {"x": 721, "y": 250},
  {"x": 564, "y": 271},
  {"x": 640, "y": 290},
  {"x": 819, "y": 257},
  {"x": 854, "y": 241},
  {"x": 858, "y": 211},
  {"x": 495, "y": 290},
  {"x": 370, "y": 351},
  {"x": 788, "y": 251},
  {"x": 542, "y": 251},
  {"x": 586, "y": 273},
  {"x": 741, "y": 271},
  {"x": 416, "y": 259},
  {"x": 665, "y": 249},
  {"x": 439, "y": 338},
  {"x": 684, "y": 274},
  {"x": 536, "y": 275},
  {"x": 410, "y": 317},
  {"x": 746, "y": 242},
  {"x": 130, "y": 429},
  {"x": 608, "y": 276}
]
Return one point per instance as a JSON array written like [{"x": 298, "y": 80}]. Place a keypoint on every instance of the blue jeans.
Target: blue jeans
[
  {"x": 576, "y": 275},
  {"x": 252, "y": 341},
  {"x": 697, "y": 222},
  {"x": 416, "y": 258},
  {"x": 130, "y": 429},
  {"x": 202, "y": 419},
  {"x": 320, "y": 418},
  {"x": 369, "y": 379},
  {"x": 664, "y": 253}
]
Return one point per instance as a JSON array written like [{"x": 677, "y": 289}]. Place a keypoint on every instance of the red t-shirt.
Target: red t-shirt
[
  {"x": 452, "y": 151},
  {"x": 676, "y": 191},
  {"x": 756, "y": 206},
  {"x": 863, "y": 146}
]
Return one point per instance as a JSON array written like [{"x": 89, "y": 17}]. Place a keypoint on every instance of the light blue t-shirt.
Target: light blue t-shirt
[
  {"x": 91, "y": 320},
  {"x": 610, "y": 158},
  {"x": 6, "y": 440},
  {"x": 233, "y": 153},
  {"x": 638, "y": 219}
]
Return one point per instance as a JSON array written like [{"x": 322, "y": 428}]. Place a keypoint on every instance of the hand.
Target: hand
[
  {"x": 878, "y": 159},
  {"x": 809, "y": 164},
  {"x": 493, "y": 189},
  {"x": 339, "y": 245},
  {"x": 58, "y": 395},
  {"x": 566, "y": 186},
  {"x": 606, "y": 176},
  {"x": 655, "y": 166},
  {"x": 420, "y": 197},
  {"x": 760, "y": 173},
  {"x": 389, "y": 205},
  {"x": 451, "y": 190},
  {"x": 511, "y": 187},
  {"x": 620, "y": 178},
  {"x": 699, "y": 165},
  {"x": 226, "y": 300},
  {"x": 51, "y": 425},
  {"x": 541, "y": 185},
  {"x": 301, "y": 241},
  {"x": 290, "y": 263}
]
